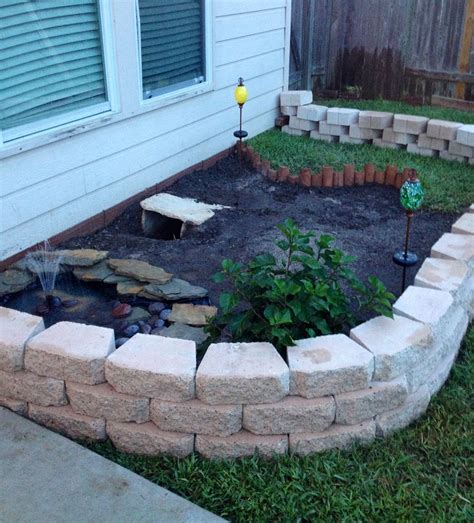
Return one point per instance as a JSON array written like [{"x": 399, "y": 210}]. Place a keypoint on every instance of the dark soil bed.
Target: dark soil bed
[{"x": 366, "y": 221}]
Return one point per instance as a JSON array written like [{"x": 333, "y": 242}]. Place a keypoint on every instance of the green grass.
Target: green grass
[
  {"x": 449, "y": 185},
  {"x": 431, "y": 111},
  {"x": 422, "y": 473}
]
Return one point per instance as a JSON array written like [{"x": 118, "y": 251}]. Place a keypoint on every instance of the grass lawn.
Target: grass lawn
[
  {"x": 449, "y": 185},
  {"x": 431, "y": 111},
  {"x": 422, "y": 473}
]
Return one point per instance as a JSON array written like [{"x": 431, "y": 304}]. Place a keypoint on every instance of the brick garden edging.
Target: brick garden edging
[
  {"x": 415, "y": 134},
  {"x": 149, "y": 397}
]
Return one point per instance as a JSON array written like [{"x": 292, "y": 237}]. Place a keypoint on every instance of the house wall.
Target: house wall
[{"x": 60, "y": 179}]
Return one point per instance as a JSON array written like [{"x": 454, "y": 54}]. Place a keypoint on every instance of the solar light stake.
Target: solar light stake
[
  {"x": 411, "y": 198},
  {"x": 240, "y": 95}
]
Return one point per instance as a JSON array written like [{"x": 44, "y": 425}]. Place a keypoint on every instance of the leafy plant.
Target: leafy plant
[{"x": 309, "y": 292}]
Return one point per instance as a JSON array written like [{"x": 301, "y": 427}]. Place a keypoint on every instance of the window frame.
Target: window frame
[
  {"x": 179, "y": 94},
  {"x": 26, "y": 131}
]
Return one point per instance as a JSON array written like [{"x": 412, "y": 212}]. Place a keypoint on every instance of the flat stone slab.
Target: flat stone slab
[
  {"x": 464, "y": 225},
  {"x": 70, "y": 351},
  {"x": 185, "y": 332},
  {"x": 17, "y": 278},
  {"x": 454, "y": 247},
  {"x": 148, "y": 440},
  {"x": 291, "y": 414},
  {"x": 130, "y": 287},
  {"x": 444, "y": 275},
  {"x": 397, "y": 344},
  {"x": 197, "y": 315},
  {"x": 241, "y": 444},
  {"x": 139, "y": 270},
  {"x": 186, "y": 210},
  {"x": 154, "y": 367},
  {"x": 336, "y": 436},
  {"x": 81, "y": 257},
  {"x": 197, "y": 417},
  {"x": 38, "y": 461},
  {"x": 328, "y": 365},
  {"x": 98, "y": 272},
  {"x": 236, "y": 373},
  {"x": 428, "y": 306},
  {"x": 16, "y": 328},
  {"x": 174, "y": 290}
]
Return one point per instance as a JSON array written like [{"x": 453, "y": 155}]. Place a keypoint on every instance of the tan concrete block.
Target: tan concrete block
[
  {"x": 29, "y": 387},
  {"x": 312, "y": 112},
  {"x": 304, "y": 125},
  {"x": 381, "y": 396},
  {"x": 415, "y": 149},
  {"x": 17, "y": 406},
  {"x": 238, "y": 373},
  {"x": 154, "y": 367},
  {"x": 342, "y": 116},
  {"x": 464, "y": 224},
  {"x": 291, "y": 414},
  {"x": 461, "y": 149},
  {"x": 102, "y": 401},
  {"x": 375, "y": 119},
  {"x": 240, "y": 445},
  {"x": 333, "y": 129},
  {"x": 428, "y": 306},
  {"x": 354, "y": 141},
  {"x": 70, "y": 351},
  {"x": 397, "y": 344},
  {"x": 362, "y": 133},
  {"x": 296, "y": 98},
  {"x": 396, "y": 419},
  {"x": 147, "y": 439},
  {"x": 336, "y": 436},
  {"x": 442, "y": 129},
  {"x": 289, "y": 110},
  {"x": 443, "y": 275},
  {"x": 328, "y": 365},
  {"x": 386, "y": 145},
  {"x": 16, "y": 328},
  {"x": 471, "y": 208},
  {"x": 68, "y": 422},
  {"x": 405, "y": 123},
  {"x": 465, "y": 135},
  {"x": 197, "y": 417},
  {"x": 389, "y": 135},
  {"x": 293, "y": 132},
  {"x": 316, "y": 135},
  {"x": 445, "y": 155},
  {"x": 454, "y": 247}
]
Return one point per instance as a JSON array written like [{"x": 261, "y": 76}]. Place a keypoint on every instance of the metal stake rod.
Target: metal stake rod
[
  {"x": 405, "y": 253},
  {"x": 240, "y": 141}
]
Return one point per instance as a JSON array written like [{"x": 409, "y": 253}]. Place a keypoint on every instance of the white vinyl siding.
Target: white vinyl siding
[{"x": 52, "y": 64}]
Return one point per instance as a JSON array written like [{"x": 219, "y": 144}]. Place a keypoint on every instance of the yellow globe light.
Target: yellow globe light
[{"x": 240, "y": 92}]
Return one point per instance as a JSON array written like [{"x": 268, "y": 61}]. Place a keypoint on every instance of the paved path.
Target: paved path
[{"x": 45, "y": 477}]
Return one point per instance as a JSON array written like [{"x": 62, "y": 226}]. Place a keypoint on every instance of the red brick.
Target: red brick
[
  {"x": 369, "y": 170},
  {"x": 390, "y": 174},
  {"x": 272, "y": 175},
  {"x": 349, "y": 169},
  {"x": 359, "y": 178},
  {"x": 380, "y": 177},
  {"x": 328, "y": 176},
  {"x": 283, "y": 173},
  {"x": 316, "y": 180},
  {"x": 305, "y": 177}
]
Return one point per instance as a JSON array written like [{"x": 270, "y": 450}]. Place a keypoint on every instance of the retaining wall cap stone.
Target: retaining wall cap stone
[
  {"x": 16, "y": 328},
  {"x": 422, "y": 304},
  {"x": 396, "y": 343},
  {"x": 328, "y": 365},
  {"x": 71, "y": 351},
  {"x": 444, "y": 275},
  {"x": 154, "y": 367},
  {"x": 454, "y": 247},
  {"x": 236, "y": 373},
  {"x": 464, "y": 225}
]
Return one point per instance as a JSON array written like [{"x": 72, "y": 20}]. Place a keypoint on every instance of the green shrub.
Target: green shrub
[{"x": 310, "y": 292}]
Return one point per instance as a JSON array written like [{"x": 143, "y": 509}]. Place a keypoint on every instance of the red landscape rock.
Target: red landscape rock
[{"x": 121, "y": 310}]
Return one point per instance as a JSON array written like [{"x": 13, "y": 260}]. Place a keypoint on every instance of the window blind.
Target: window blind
[
  {"x": 172, "y": 48},
  {"x": 51, "y": 59}
]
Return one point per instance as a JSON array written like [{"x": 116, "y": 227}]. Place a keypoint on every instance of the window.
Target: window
[
  {"x": 172, "y": 45},
  {"x": 52, "y": 64}
]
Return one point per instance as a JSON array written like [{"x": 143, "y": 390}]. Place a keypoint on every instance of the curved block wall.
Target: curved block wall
[{"x": 149, "y": 396}]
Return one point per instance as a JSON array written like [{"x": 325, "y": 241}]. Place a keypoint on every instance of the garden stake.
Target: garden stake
[
  {"x": 411, "y": 198},
  {"x": 240, "y": 95}
]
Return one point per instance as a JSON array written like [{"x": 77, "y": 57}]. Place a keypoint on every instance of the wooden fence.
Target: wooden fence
[{"x": 384, "y": 48}]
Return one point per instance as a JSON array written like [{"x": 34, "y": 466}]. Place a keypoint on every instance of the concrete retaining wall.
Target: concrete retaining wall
[
  {"x": 416, "y": 134},
  {"x": 150, "y": 397}
]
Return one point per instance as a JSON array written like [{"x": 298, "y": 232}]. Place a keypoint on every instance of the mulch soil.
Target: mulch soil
[{"x": 367, "y": 222}]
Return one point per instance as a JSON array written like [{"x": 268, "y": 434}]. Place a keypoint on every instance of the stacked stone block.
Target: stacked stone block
[
  {"x": 416, "y": 134},
  {"x": 149, "y": 397}
]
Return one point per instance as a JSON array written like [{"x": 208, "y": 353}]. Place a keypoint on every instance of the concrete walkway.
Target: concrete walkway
[{"x": 45, "y": 477}]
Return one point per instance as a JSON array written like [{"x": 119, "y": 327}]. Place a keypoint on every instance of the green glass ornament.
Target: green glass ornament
[{"x": 412, "y": 193}]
